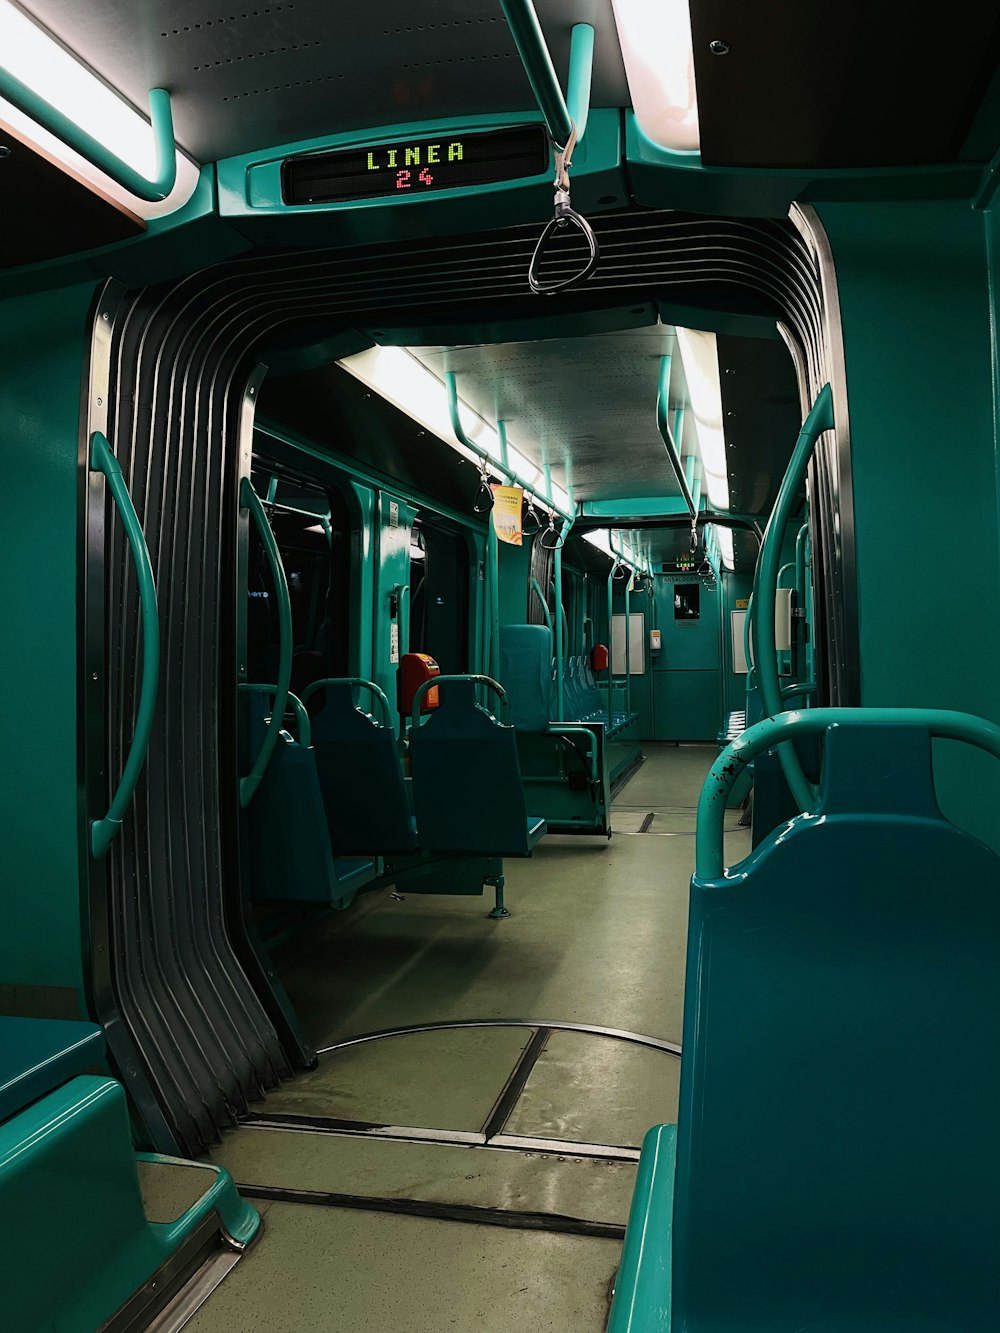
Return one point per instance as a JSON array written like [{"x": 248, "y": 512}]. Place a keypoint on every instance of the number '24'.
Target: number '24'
[{"x": 403, "y": 178}]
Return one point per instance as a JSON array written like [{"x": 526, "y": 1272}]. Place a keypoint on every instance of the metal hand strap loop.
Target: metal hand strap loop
[
  {"x": 536, "y": 523},
  {"x": 555, "y": 544},
  {"x": 564, "y": 216},
  {"x": 485, "y": 492}
]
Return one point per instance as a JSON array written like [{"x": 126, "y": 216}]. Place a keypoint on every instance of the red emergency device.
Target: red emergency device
[
  {"x": 599, "y": 657},
  {"x": 414, "y": 670}
]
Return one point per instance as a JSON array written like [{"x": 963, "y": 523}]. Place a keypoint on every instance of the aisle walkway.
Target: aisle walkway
[{"x": 515, "y": 1144}]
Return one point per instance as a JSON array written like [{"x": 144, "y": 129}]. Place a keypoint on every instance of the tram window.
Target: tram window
[
  {"x": 439, "y": 596},
  {"x": 310, "y": 526},
  {"x": 687, "y": 601}
]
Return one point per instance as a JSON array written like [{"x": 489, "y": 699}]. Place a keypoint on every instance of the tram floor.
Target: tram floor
[{"x": 378, "y": 1171}]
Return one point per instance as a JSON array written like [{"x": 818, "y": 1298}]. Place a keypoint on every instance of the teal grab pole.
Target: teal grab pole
[
  {"x": 800, "y": 561},
  {"x": 301, "y": 716},
  {"x": 819, "y": 419},
  {"x": 784, "y": 570},
  {"x": 65, "y": 129},
  {"x": 537, "y": 590},
  {"x": 531, "y": 47},
  {"x": 473, "y": 679},
  {"x": 359, "y": 682},
  {"x": 611, "y": 678},
  {"x": 942, "y": 724},
  {"x": 103, "y": 831},
  {"x": 628, "y": 648},
  {"x": 807, "y": 689},
  {"x": 493, "y": 574},
  {"x": 249, "y": 499},
  {"x": 673, "y": 456},
  {"x": 560, "y": 619},
  {"x": 581, "y": 69}
]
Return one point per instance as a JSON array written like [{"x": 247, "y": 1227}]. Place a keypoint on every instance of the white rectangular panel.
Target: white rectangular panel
[{"x": 637, "y": 644}]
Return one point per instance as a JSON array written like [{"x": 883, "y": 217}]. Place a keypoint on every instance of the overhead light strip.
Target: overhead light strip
[
  {"x": 402, "y": 379},
  {"x": 35, "y": 58}
]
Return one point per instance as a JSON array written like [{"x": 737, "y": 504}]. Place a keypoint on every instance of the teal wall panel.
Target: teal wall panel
[
  {"x": 43, "y": 347},
  {"x": 916, "y": 281}
]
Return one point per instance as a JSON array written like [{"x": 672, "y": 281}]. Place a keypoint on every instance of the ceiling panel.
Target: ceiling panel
[
  {"x": 246, "y": 78},
  {"x": 848, "y": 85},
  {"x": 585, "y": 406}
]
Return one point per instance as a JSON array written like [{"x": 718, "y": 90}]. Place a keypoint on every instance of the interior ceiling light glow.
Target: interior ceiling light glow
[
  {"x": 39, "y": 61},
  {"x": 724, "y": 537},
  {"x": 402, "y": 379},
  {"x": 700, "y": 358},
  {"x": 655, "y": 37}
]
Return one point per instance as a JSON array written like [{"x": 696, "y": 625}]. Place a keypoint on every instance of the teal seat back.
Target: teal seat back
[
  {"x": 526, "y": 674},
  {"x": 838, "y": 1167},
  {"x": 289, "y": 839},
  {"x": 361, "y": 778},
  {"x": 467, "y": 790}
]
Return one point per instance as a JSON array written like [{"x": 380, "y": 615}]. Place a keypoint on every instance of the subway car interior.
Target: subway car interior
[{"x": 501, "y": 517}]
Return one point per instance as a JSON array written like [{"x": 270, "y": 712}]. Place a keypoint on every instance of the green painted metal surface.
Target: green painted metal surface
[
  {"x": 103, "y": 831},
  {"x": 74, "y": 1235},
  {"x": 927, "y": 638},
  {"x": 43, "y": 345}
]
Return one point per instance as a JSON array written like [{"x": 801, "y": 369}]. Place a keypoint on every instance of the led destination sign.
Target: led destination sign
[{"x": 412, "y": 167}]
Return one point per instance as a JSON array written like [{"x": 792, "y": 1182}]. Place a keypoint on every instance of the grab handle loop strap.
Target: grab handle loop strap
[{"x": 564, "y": 216}]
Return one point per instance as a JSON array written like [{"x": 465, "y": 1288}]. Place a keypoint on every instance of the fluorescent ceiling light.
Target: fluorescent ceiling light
[
  {"x": 700, "y": 358},
  {"x": 599, "y": 538},
  {"x": 402, "y": 379},
  {"x": 39, "y": 61},
  {"x": 724, "y": 537},
  {"x": 655, "y": 37}
]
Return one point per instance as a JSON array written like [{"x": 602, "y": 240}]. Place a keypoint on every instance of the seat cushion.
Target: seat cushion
[{"x": 37, "y": 1055}]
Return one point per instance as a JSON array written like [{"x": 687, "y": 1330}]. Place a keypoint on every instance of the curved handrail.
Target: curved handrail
[
  {"x": 161, "y": 123},
  {"x": 360, "y": 681},
  {"x": 301, "y": 716},
  {"x": 747, "y": 632},
  {"x": 536, "y": 588},
  {"x": 488, "y": 681},
  {"x": 663, "y": 425},
  {"x": 941, "y": 723},
  {"x": 818, "y": 420},
  {"x": 808, "y": 687},
  {"x": 103, "y": 831},
  {"x": 249, "y": 499},
  {"x": 801, "y": 541}
]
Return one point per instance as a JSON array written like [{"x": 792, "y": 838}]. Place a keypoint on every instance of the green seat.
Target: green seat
[
  {"x": 39, "y": 1054},
  {"x": 467, "y": 791},
  {"x": 837, "y": 1161},
  {"x": 360, "y": 776},
  {"x": 74, "y": 1237},
  {"x": 291, "y": 853}
]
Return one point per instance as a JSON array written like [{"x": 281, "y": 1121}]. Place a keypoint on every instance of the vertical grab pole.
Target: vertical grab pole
[
  {"x": 819, "y": 419},
  {"x": 628, "y": 648},
  {"x": 560, "y": 619},
  {"x": 493, "y": 593},
  {"x": 611, "y": 640}
]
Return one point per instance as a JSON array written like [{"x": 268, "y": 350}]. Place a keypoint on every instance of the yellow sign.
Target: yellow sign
[
  {"x": 507, "y": 513},
  {"x": 742, "y": 603}
]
